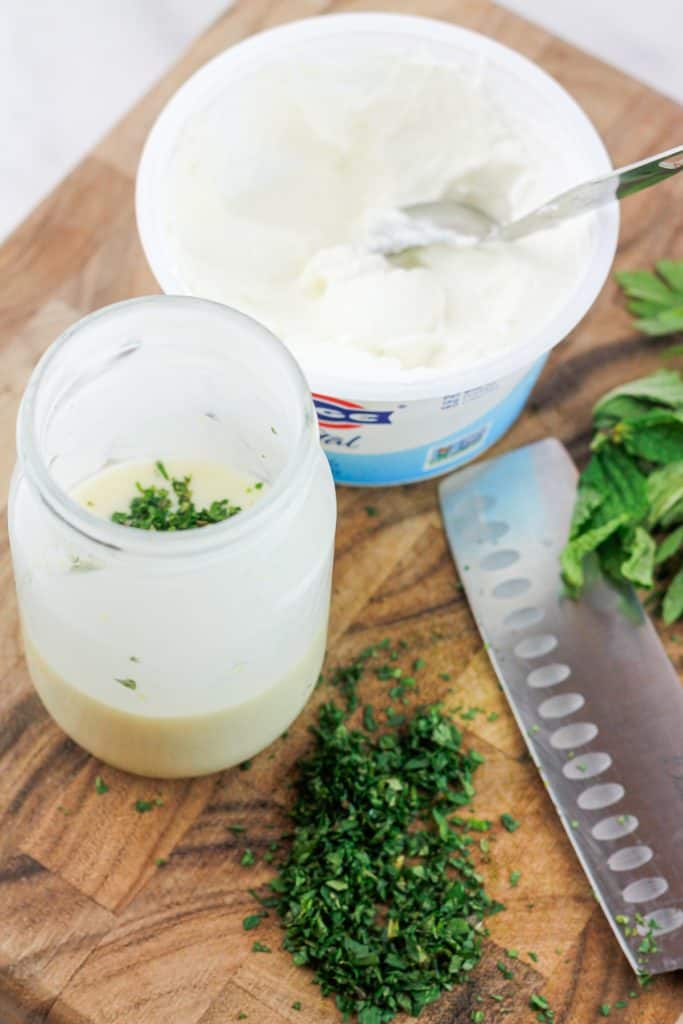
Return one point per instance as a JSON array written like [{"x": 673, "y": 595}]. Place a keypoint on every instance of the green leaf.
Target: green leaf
[
  {"x": 669, "y": 546},
  {"x": 642, "y": 284},
  {"x": 672, "y": 272},
  {"x": 587, "y": 501},
  {"x": 667, "y": 321},
  {"x": 370, "y": 1015},
  {"x": 664, "y": 387},
  {"x": 664, "y": 492},
  {"x": 622, "y": 407},
  {"x": 574, "y": 553},
  {"x": 657, "y": 436},
  {"x": 639, "y": 565},
  {"x": 672, "y": 606},
  {"x": 614, "y": 474}
]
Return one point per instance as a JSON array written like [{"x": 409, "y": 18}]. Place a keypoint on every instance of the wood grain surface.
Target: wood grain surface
[{"x": 91, "y": 931}]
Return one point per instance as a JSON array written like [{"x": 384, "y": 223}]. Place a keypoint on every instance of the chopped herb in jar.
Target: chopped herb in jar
[
  {"x": 161, "y": 509},
  {"x": 129, "y": 684}
]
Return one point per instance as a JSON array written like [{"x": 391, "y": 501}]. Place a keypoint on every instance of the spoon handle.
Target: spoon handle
[{"x": 593, "y": 194}]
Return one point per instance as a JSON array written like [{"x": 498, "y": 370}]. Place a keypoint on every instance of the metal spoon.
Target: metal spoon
[{"x": 459, "y": 224}]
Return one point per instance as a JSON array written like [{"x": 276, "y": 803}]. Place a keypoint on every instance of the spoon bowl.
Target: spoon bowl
[{"x": 458, "y": 224}]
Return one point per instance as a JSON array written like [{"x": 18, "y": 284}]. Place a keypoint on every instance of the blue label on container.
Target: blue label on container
[{"x": 432, "y": 459}]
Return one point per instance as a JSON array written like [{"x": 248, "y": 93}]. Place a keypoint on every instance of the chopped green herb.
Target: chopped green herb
[
  {"x": 161, "y": 862},
  {"x": 157, "y": 508},
  {"x": 100, "y": 785},
  {"x": 514, "y": 878},
  {"x": 505, "y": 970},
  {"x": 535, "y": 728},
  {"x": 143, "y": 806},
  {"x": 492, "y": 716},
  {"x": 253, "y": 921},
  {"x": 296, "y": 1005},
  {"x": 508, "y": 822},
  {"x": 371, "y": 511},
  {"x": 369, "y": 722},
  {"x": 418, "y": 664},
  {"x": 533, "y": 956},
  {"x": 574, "y": 823},
  {"x": 129, "y": 684},
  {"x": 512, "y": 953},
  {"x": 66, "y": 811},
  {"x": 477, "y": 1016},
  {"x": 446, "y": 676},
  {"x": 604, "y": 1010},
  {"x": 241, "y": 1015},
  {"x": 133, "y": 658},
  {"x": 245, "y": 766},
  {"x": 247, "y": 859},
  {"x": 237, "y": 828},
  {"x": 377, "y": 893},
  {"x": 259, "y": 947}
]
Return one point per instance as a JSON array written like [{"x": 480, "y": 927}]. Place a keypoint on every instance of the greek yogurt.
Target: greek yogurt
[
  {"x": 264, "y": 181},
  {"x": 276, "y": 216}
]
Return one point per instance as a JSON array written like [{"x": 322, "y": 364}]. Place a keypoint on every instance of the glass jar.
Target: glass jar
[{"x": 171, "y": 654}]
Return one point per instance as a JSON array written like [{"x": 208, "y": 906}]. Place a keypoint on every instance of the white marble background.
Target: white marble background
[{"x": 70, "y": 69}]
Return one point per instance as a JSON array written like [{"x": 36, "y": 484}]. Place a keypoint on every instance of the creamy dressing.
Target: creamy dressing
[
  {"x": 115, "y": 704},
  {"x": 175, "y": 746},
  {"x": 273, "y": 190},
  {"x": 112, "y": 489}
]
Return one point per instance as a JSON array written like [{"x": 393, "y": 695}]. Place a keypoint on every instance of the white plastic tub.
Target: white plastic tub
[{"x": 396, "y": 431}]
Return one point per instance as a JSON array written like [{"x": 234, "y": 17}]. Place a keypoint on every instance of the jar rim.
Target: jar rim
[{"x": 149, "y": 543}]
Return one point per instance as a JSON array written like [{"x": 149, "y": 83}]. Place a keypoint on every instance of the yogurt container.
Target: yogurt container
[{"x": 400, "y": 428}]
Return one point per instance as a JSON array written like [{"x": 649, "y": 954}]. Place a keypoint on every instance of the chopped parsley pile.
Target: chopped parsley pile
[
  {"x": 377, "y": 891},
  {"x": 157, "y": 508}
]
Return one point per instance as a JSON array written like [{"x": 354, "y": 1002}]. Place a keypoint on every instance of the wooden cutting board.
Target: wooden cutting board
[{"x": 91, "y": 931}]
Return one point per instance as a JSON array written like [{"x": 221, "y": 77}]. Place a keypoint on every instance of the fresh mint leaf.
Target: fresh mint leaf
[
  {"x": 669, "y": 321},
  {"x": 638, "y": 568},
  {"x": 672, "y": 272},
  {"x": 574, "y": 553},
  {"x": 664, "y": 387},
  {"x": 642, "y": 284},
  {"x": 615, "y": 475},
  {"x": 588, "y": 500},
  {"x": 621, "y": 407},
  {"x": 672, "y": 606},
  {"x": 665, "y": 493},
  {"x": 655, "y": 299},
  {"x": 670, "y": 546},
  {"x": 657, "y": 436}
]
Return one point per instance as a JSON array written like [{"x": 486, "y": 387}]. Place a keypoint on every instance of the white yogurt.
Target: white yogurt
[{"x": 275, "y": 215}]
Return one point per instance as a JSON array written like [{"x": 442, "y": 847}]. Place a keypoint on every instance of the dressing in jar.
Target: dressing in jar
[{"x": 185, "y": 634}]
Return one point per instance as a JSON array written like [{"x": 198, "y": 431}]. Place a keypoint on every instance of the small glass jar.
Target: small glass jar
[{"x": 171, "y": 654}]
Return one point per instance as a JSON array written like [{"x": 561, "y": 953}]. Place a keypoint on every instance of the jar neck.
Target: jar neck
[{"x": 74, "y": 379}]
